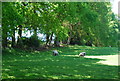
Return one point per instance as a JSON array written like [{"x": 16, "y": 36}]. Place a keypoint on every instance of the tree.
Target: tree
[{"x": 10, "y": 22}]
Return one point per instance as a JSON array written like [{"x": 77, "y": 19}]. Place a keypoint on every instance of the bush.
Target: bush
[{"x": 33, "y": 41}]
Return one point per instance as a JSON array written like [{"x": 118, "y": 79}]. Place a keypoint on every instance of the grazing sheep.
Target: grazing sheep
[
  {"x": 82, "y": 54},
  {"x": 55, "y": 53}
]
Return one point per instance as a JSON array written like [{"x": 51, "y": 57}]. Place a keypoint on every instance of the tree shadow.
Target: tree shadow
[
  {"x": 42, "y": 65},
  {"x": 90, "y": 50}
]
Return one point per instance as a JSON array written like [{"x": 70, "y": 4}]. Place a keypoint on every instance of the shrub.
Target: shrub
[{"x": 33, "y": 41}]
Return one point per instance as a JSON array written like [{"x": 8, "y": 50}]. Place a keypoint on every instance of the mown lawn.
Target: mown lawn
[{"x": 99, "y": 63}]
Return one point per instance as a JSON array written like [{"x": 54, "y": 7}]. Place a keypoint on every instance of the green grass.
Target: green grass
[{"x": 18, "y": 64}]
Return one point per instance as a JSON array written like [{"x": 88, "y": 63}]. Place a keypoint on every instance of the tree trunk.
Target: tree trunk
[
  {"x": 69, "y": 38},
  {"x": 47, "y": 39},
  {"x": 4, "y": 40},
  {"x": 56, "y": 42},
  {"x": 13, "y": 38},
  {"x": 20, "y": 31},
  {"x": 68, "y": 41},
  {"x": 35, "y": 31},
  {"x": 50, "y": 38},
  {"x": 70, "y": 34},
  {"x": 19, "y": 42}
]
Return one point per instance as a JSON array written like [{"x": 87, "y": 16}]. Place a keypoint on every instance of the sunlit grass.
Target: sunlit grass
[{"x": 99, "y": 63}]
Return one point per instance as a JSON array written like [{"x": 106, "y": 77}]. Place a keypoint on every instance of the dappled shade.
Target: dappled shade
[{"x": 42, "y": 65}]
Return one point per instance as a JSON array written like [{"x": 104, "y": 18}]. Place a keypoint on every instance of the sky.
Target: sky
[{"x": 115, "y": 6}]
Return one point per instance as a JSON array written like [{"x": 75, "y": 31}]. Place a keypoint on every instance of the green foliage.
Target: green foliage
[{"x": 79, "y": 22}]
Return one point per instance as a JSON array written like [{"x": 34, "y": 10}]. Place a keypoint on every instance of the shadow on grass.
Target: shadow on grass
[
  {"x": 75, "y": 50},
  {"x": 42, "y": 65}
]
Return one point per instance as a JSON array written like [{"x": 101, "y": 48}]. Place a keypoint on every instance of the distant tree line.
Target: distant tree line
[{"x": 81, "y": 23}]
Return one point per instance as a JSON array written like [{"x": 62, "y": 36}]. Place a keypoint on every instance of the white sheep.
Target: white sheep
[
  {"x": 55, "y": 53},
  {"x": 82, "y": 54}
]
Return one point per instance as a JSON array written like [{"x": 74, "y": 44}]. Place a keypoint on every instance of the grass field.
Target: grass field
[{"x": 99, "y": 63}]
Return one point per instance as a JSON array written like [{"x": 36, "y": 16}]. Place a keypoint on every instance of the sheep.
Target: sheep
[
  {"x": 82, "y": 54},
  {"x": 55, "y": 53}
]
